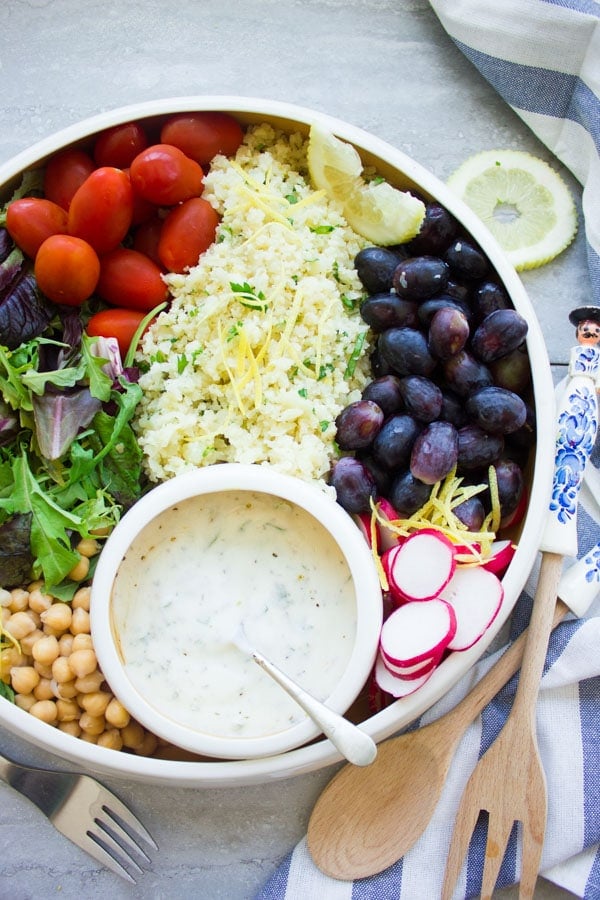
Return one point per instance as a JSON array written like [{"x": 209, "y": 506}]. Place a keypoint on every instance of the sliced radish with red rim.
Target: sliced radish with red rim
[
  {"x": 417, "y": 632},
  {"x": 421, "y": 566},
  {"x": 476, "y": 595}
]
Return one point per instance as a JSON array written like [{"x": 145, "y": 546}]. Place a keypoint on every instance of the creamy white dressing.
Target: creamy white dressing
[{"x": 201, "y": 569}]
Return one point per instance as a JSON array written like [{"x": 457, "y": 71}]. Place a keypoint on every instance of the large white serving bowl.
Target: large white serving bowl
[{"x": 402, "y": 171}]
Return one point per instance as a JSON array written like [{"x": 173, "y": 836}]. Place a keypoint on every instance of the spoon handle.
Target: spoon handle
[{"x": 355, "y": 745}]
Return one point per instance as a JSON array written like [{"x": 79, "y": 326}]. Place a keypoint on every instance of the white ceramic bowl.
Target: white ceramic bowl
[
  {"x": 403, "y": 171},
  {"x": 203, "y": 553}
]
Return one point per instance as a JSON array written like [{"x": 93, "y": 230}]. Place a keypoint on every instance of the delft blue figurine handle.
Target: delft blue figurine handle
[
  {"x": 577, "y": 425},
  {"x": 580, "y": 584}
]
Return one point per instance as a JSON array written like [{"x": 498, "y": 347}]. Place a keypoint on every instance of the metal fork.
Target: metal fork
[
  {"x": 509, "y": 782},
  {"x": 86, "y": 812}
]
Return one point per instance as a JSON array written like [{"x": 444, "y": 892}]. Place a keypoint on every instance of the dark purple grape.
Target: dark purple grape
[
  {"x": 379, "y": 366},
  {"x": 435, "y": 452},
  {"x": 358, "y": 425},
  {"x": 525, "y": 437},
  {"x": 420, "y": 277},
  {"x": 466, "y": 260},
  {"x": 406, "y": 351},
  {"x": 464, "y": 374},
  {"x": 386, "y": 393},
  {"x": 499, "y": 333},
  {"x": 453, "y": 409},
  {"x": 448, "y": 332},
  {"x": 436, "y": 231},
  {"x": 497, "y": 410},
  {"x": 513, "y": 371},
  {"x": 488, "y": 297},
  {"x": 381, "y": 311},
  {"x": 477, "y": 448},
  {"x": 422, "y": 397},
  {"x": 394, "y": 442},
  {"x": 511, "y": 482},
  {"x": 407, "y": 494},
  {"x": 354, "y": 485},
  {"x": 375, "y": 267},
  {"x": 428, "y": 308},
  {"x": 381, "y": 474},
  {"x": 458, "y": 291},
  {"x": 471, "y": 513}
]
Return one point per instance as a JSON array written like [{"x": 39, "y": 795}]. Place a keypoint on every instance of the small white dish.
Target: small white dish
[{"x": 206, "y": 552}]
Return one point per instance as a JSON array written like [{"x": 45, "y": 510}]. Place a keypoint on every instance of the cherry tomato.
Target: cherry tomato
[
  {"x": 142, "y": 209},
  {"x": 165, "y": 176},
  {"x": 102, "y": 209},
  {"x": 121, "y": 324},
  {"x": 119, "y": 145},
  {"x": 66, "y": 269},
  {"x": 65, "y": 173},
  {"x": 146, "y": 237},
  {"x": 202, "y": 135},
  {"x": 130, "y": 279},
  {"x": 187, "y": 232},
  {"x": 31, "y": 220}
]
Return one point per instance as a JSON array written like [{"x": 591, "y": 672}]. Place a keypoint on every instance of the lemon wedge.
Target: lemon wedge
[
  {"x": 522, "y": 200},
  {"x": 375, "y": 210}
]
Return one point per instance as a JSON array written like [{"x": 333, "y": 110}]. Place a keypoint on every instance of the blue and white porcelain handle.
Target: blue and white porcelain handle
[
  {"x": 577, "y": 425},
  {"x": 580, "y": 583}
]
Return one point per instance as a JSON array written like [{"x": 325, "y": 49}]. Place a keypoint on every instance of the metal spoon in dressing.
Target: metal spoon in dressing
[{"x": 355, "y": 745}]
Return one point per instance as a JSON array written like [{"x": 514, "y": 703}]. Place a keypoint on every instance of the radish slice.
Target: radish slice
[
  {"x": 363, "y": 520},
  {"x": 387, "y": 537},
  {"x": 417, "y": 632},
  {"x": 500, "y": 556},
  {"x": 421, "y": 566},
  {"x": 476, "y": 596},
  {"x": 397, "y": 687},
  {"x": 410, "y": 671}
]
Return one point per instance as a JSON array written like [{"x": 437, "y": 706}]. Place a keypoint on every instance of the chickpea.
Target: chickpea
[
  {"x": 82, "y": 642},
  {"x": 87, "y": 684},
  {"x": 81, "y": 599},
  {"x": 91, "y": 724},
  {"x": 5, "y": 614},
  {"x": 65, "y": 644},
  {"x": 61, "y": 670},
  {"x": 90, "y": 738},
  {"x": 35, "y": 585},
  {"x": 6, "y": 598},
  {"x": 57, "y": 617},
  {"x": 10, "y": 658},
  {"x": 111, "y": 739},
  {"x": 64, "y": 690},
  {"x": 148, "y": 745},
  {"x": 71, "y": 728},
  {"x": 67, "y": 710},
  {"x": 133, "y": 735},
  {"x": 24, "y": 679},
  {"x": 38, "y": 601},
  {"x": 80, "y": 621},
  {"x": 19, "y": 600},
  {"x": 116, "y": 714},
  {"x": 19, "y": 624},
  {"x": 44, "y": 710},
  {"x": 45, "y": 651},
  {"x": 95, "y": 702},
  {"x": 44, "y": 691},
  {"x": 82, "y": 662},
  {"x": 42, "y": 669},
  {"x": 80, "y": 570},
  {"x": 30, "y": 639},
  {"x": 25, "y": 701},
  {"x": 88, "y": 547}
]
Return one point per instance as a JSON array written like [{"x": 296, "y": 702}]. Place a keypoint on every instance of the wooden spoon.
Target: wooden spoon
[{"x": 368, "y": 818}]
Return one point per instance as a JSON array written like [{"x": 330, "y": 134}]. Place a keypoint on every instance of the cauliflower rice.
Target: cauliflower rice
[{"x": 263, "y": 344}]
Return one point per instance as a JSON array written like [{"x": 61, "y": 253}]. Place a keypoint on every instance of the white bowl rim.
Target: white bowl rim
[
  {"x": 218, "y": 479},
  {"x": 402, "y": 712}
]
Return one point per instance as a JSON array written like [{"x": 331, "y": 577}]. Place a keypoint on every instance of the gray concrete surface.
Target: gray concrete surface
[{"x": 385, "y": 65}]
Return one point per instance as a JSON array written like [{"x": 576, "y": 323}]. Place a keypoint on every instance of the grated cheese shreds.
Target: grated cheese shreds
[
  {"x": 437, "y": 513},
  {"x": 254, "y": 359}
]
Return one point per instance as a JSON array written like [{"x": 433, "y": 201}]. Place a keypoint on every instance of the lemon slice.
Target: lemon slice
[
  {"x": 333, "y": 165},
  {"x": 522, "y": 200},
  {"x": 375, "y": 210}
]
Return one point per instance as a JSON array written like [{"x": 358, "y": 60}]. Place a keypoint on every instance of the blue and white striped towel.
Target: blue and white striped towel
[{"x": 543, "y": 57}]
